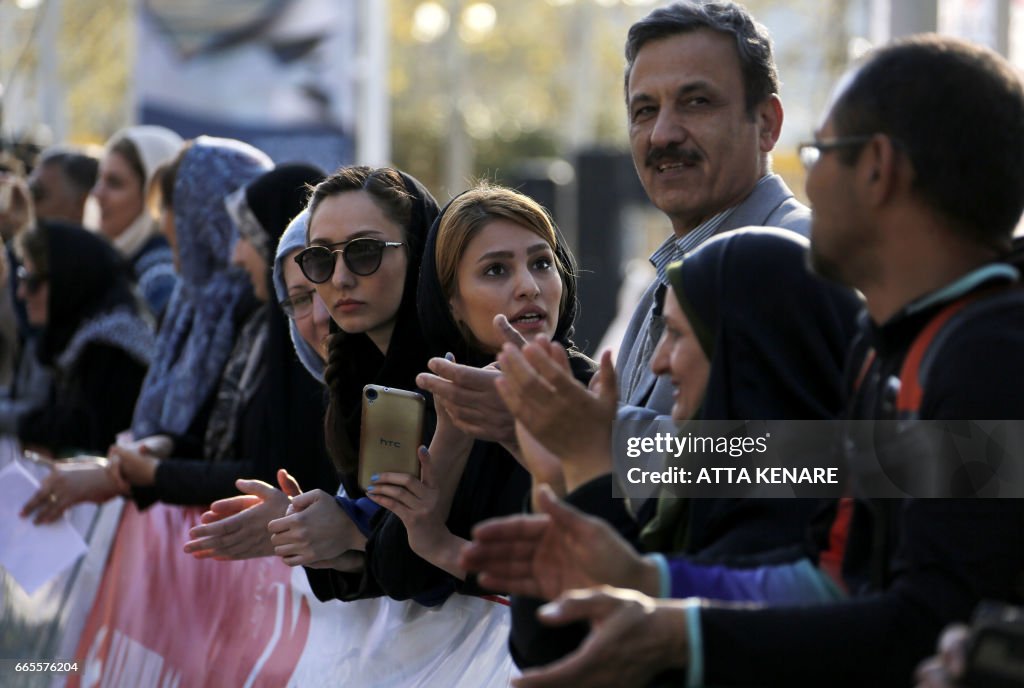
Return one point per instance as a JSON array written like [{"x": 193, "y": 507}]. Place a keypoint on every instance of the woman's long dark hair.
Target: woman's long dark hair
[{"x": 353, "y": 360}]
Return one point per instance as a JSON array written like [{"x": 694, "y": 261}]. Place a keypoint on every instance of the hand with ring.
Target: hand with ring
[{"x": 66, "y": 486}]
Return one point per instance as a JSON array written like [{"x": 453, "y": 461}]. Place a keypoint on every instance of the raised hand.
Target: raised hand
[
  {"x": 422, "y": 505},
  {"x": 572, "y": 422},
  {"x": 236, "y": 528},
  {"x": 558, "y": 550}
]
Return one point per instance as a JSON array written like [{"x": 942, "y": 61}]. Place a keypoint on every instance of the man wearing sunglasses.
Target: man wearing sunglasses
[{"x": 917, "y": 181}]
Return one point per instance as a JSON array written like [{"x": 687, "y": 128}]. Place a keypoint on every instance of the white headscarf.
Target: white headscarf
[{"x": 155, "y": 146}]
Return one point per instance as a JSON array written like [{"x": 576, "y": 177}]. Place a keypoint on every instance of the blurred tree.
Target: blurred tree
[
  {"x": 546, "y": 77},
  {"x": 518, "y": 88},
  {"x": 97, "y": 48}
]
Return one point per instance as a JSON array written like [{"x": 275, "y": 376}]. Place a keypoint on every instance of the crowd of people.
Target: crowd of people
[{"x": 214, "y": 336}]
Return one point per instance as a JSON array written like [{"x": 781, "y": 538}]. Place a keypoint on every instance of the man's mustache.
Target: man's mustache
[{"x": 672, "y": 154}]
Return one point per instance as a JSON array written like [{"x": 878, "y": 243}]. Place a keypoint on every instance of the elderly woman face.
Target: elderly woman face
[
  {"x": 304, "y": 306},
  {"x": 118, "y": 191},
  {"x": 680, "y": 356},
  {"x": 508, "y": 269}
]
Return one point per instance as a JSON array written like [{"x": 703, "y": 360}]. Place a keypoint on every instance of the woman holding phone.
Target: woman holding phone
[
  {"x": 365, "y": 238},
  {"x": 492, "y": 252}
]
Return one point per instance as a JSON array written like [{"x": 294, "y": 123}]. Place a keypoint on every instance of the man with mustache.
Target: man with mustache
[
  {"x": 704, "y": 114},
  {"x": 916, "y": 196}
]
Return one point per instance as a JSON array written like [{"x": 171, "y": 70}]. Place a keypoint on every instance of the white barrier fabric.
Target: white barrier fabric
[
  {"x": 162, "y": 618},
  {"x": 47, "y": 624}
]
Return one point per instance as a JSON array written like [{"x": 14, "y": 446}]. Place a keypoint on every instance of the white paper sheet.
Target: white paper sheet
[{"x": 32, "y": 554}]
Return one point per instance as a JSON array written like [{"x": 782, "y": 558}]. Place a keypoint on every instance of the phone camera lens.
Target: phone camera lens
[{"x": 371, "y": 394}]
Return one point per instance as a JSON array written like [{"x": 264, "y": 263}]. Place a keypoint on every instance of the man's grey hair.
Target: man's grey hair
[{"x": 753, "y": 45}]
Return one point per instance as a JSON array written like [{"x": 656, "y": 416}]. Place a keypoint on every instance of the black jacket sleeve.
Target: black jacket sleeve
[
  {"x": 89, "y": 403},
  {"x": 951, "y": 555},
  {"x": 534, "y": 644}
]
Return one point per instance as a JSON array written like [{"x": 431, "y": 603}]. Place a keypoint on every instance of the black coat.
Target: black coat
[
  {"x": 912, "y": 565},
  {"x": 97, "y": 339}
]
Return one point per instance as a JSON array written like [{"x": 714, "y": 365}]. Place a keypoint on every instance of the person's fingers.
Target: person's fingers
[
  {"x": 609, "y": 384},
  {"x": 470, "y": 379},
  {"x": 426, "y": 466},
  {"x": 289, "y": 485},
  {"x": 291, "y": 549},
  {"x": 200, "y": 544},
  {"x": 256, "y": 488},
  {"x": 590, "y": 604},
  {"x": 517, "y": 366},
  {"x": 51, "y": 509},
  {"x": 392, "y": 498},
  {"x": 232, "y": 505},
  {"x": 306, "y": 499},
  {"x": 398, "y": 507},
  {"x": 215, "y": 529},
  {"x": 559, "y": 356},
  {"x": 549, "y": 371},
  {"x": 510, "y": 334},
  {"x": 46, "y": 493},
  {"x": 285, "y": 523},
  {"x": 437, "y": 386},
  {"x": 35, "y": 501},
  {"x": 564, "y": 516},
  {"x": 297, "y": 560},
  {"x": 403, "y": 480},
  {"x": 953, "y": 649}
]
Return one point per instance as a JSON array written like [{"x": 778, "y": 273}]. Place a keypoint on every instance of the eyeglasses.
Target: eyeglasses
[
  {"x": 33, "y": 282},
  {"x": 362, "y": 257},
  {"x": 811, "y": 151},
  {"x": 299, "y": 306}
]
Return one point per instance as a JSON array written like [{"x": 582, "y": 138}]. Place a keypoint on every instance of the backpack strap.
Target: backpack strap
[{"x": 913, "y": 372}]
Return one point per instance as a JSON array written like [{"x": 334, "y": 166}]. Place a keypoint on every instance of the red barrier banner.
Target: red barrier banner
[{"x": 162, "y": 618}]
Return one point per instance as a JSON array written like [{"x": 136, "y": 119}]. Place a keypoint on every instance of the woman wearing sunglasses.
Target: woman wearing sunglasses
[{"x": 365, "y": 240}]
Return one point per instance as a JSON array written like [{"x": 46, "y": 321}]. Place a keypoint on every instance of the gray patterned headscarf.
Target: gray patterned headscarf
[{"x": 212, "y": 297}]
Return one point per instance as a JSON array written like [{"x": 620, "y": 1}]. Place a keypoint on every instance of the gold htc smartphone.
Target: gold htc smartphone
[{"x": 392, "y": 430}]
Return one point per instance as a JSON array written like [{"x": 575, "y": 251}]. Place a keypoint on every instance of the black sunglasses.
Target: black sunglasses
[
  {"x": 298, "y": 306},
  {"x": 362, "y": 257},
  {"x": 33, "y": 282}
]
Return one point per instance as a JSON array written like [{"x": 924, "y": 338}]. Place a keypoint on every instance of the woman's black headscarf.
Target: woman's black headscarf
[
  {"x": 777, "y": 337},
  {"x": 294, "y": 407},
  {"x": 87, "y": 278},
  {"x": 776, "y": 334},
  {"x": 439, "y": 327},
  {"x": 354, "y": 361}
]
